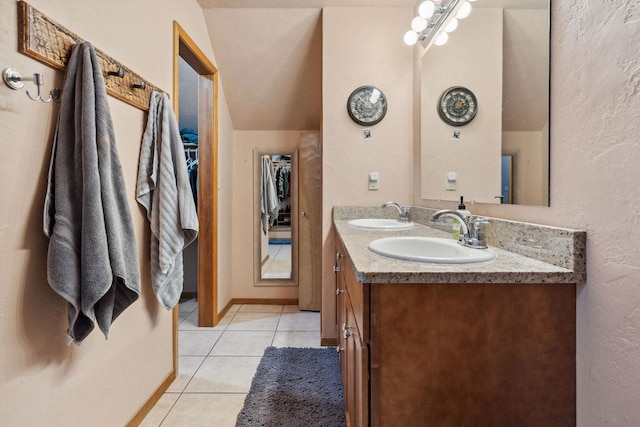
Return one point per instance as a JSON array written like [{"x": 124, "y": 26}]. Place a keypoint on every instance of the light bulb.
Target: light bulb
[
  {"x": 451, "y": 26},
  {"x": 464, "y": 11},
  {"x": 418, "y": 24},
  {"x": 410, "y": 37},
  {"x": 441, "y": 39},
  {"x": 426, "y": 9}
]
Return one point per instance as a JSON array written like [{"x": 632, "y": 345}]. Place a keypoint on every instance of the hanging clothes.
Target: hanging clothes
[
  {"x": 268, "y": 195},
  {"x": 93, "y": 259},
  {"x": 283, "y": 181},
  {"x": 191, "y": 155}
]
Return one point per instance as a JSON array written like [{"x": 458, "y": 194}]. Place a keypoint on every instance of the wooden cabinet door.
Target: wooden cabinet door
[
  {"x": 357, "y": 373},
  {"x": 354, "y": 352},
  {"x": 310, "y": 222},
  {"x": 341, "y": 312}
]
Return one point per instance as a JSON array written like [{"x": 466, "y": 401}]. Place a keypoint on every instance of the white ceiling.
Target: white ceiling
[{"x": 269, "y": 55}]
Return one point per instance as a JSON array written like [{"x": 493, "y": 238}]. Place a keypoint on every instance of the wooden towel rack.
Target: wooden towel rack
[{"x": 44, "y": 40}]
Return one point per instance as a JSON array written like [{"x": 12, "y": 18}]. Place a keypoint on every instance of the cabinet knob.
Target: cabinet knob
[
  {"x": 339, "y": 291},
  {"x": 336, "y": 268},
  {"x": 339, "y": 255},
  {"x": 303, "y": 213},
  {"x": 339, "y": 349}
]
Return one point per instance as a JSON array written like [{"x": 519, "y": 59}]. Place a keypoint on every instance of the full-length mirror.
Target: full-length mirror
[
  {"x": 276, "y": 206},
  {"x": 500, "y": 55}
]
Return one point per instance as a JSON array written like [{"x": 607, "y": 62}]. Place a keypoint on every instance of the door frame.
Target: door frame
[{"x": 186, "y": 48}]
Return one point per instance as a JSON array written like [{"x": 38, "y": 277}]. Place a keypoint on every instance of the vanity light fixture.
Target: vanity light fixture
[{"x": 435, "y": 20}]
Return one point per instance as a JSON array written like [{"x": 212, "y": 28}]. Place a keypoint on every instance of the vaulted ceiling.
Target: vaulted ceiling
[{"x": 269, "y": 55}]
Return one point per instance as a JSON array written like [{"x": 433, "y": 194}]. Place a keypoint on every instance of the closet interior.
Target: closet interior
[{"x": 188, "y": 123}]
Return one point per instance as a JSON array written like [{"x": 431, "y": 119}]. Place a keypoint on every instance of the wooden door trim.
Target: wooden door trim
[{"x": 185, "y": 47}]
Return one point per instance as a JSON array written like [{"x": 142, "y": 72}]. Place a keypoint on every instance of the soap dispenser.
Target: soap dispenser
[{"x": 462, "y": 210}]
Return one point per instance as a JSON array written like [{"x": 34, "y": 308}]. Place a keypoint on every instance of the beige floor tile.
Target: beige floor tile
[
  {"x": 290, "y": 309},
  {"x": 191, "y": 323},
  {"x": 254, "y": 322},
  {"x": 187, "y": 366},
  {"x": 186, "y": 307},
  {"x": 207, "y": 409},
  {"x": 242, "y": 343},
  {"x": 297, "y": 339},
  {"x": 160, "y": 410},
  {"x": 224, "y": 374},
  {"x": 234, "y": 308},
  {"x": 260, "y": 308},
  {"x": 300, "y": 321},
  {"x": 197, "y": 343}
]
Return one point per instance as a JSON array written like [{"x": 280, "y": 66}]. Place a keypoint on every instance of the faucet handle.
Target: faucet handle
[
  {"x": 478, "y": 220},
  {"x": 476, "y": 232},
  {"x": 404, "y": 213}
]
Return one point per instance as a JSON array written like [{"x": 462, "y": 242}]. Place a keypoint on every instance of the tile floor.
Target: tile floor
[
  {"x": 216, "y": 365},
  {"x": 278, "y": 266}
]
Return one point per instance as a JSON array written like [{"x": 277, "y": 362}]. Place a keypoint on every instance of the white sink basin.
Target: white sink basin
[
  {"x": 429, "y": 249},
  {"x": 380, "y": 224}
]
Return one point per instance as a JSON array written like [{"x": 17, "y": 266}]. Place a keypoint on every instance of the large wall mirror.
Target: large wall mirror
[
  {"x": 275, "y": 204},
  {"x": 501, "y": 54}
]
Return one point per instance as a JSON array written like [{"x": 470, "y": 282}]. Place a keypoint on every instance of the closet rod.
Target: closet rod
[{"x": 44, "y": 40}]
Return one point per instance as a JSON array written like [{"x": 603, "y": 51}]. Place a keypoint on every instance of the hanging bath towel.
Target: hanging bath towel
[
  {"x": 92, "y": 260},
  {"x": 164, "y": 191}
]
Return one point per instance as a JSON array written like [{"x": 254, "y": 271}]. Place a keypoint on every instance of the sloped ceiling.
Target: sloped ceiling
[{"x": 269, "y": 55}]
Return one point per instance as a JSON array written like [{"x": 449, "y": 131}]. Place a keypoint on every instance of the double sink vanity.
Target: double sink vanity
[{"x": 431, "y": 332}]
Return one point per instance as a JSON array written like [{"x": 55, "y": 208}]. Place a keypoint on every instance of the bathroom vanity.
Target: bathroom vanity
[{"x": 480, "y": 344}]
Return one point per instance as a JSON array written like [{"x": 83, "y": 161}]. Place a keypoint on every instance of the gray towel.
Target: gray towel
[
  {"x": 268, "y": 195},
  {"x": 163, "y": 189},
  {"x": 92, "y": 260}
]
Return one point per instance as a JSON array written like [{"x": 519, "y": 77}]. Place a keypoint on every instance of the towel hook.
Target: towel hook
[
  {"x": 142, "y": 85},
  {"x": 14, "y": 80},
  {"x": 119, "y": 73}
]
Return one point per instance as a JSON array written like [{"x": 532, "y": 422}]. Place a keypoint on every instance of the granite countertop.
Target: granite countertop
[{"x": 507, "y": 267}]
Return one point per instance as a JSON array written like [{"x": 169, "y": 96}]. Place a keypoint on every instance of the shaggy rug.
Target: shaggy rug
[{"x": 295, "y": 387}]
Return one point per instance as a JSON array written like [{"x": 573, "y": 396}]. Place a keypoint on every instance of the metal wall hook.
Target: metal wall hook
[
  {"x": 38, "y": 80},
  {"x": 119, "y": 73},
  {"x": 14, "y": 80},
  {"x": 142, "y": 85}
]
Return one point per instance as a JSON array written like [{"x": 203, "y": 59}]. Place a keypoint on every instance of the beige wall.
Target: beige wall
[
  {"x": 528, "y": 151},
  {"x": 244, "y": 211},
  {"x": 103, "y": 382},
  {"x": 352, "y": 58},
  {"x": 594, "y": 186}
]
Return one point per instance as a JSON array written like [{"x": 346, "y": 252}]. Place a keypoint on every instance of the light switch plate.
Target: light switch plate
[{"x": 373, "y": 181}]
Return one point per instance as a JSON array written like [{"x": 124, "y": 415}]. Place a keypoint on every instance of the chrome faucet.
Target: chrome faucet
[
  {"x": 402, "y": 210},
  {"x": 471, "y": 230}
]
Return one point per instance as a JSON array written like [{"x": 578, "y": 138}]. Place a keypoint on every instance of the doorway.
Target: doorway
[
  {"x": 506, "y": 189},
  {"x": 185, "y": 49}
]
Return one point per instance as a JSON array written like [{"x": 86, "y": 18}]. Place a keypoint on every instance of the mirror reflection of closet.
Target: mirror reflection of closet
[
  {"x": 188, "y": 124},
  {"x": 276, "y": 201}
]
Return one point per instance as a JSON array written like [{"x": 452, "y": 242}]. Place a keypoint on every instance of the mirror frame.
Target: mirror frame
[{"x": 257, "y": 223}]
